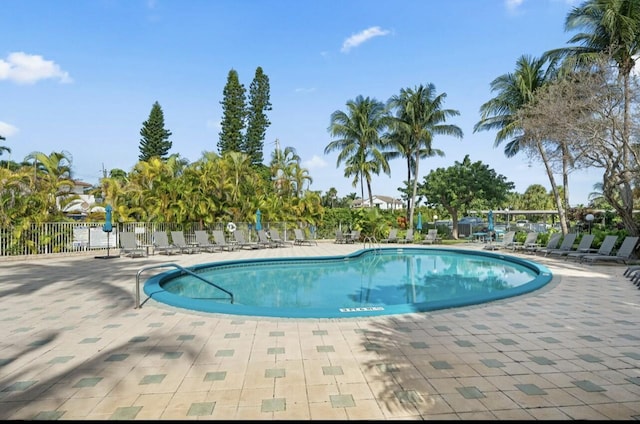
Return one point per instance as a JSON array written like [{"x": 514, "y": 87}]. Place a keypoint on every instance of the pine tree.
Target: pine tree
[
  {"x": 257, "y": 121},
  {"x": 155, "y": 139},
  {"x": 233, "y": 115}
]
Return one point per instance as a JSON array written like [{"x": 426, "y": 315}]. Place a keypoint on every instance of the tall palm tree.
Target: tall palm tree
[
  {"x": 515, "y": 91},
  {"x": 359, "y": 130},
  {"x": 419, "y": 117}
]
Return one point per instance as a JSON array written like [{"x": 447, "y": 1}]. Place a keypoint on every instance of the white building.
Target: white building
[{"x": 380, "y": 202}]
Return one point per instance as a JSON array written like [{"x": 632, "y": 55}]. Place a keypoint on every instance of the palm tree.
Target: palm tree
[
  {"x": 419, "y": 117},
  {"x": 359, "y": 130},
  {"x": 4, "y": 148},
  {"x": 283, "y": 166},
  {"x": 515, "y": 91}
]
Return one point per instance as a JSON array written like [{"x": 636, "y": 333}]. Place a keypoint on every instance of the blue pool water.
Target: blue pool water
[{"x": 369, "y": 282}]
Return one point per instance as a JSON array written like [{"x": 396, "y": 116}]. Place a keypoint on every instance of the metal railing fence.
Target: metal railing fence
[{"x": 68, "y": 237}]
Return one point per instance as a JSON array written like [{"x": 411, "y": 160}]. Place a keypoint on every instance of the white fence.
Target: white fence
[{"x": 68, "y": 237}]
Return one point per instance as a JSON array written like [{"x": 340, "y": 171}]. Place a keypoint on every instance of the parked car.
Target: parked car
[{"x": 522, "y": 223}]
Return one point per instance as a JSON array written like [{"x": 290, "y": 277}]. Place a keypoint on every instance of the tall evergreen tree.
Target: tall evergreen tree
[
  {"x": 233, "y": 115},
  {"x": 155, "y": 139},
  {"x": 257, "y": 121}
]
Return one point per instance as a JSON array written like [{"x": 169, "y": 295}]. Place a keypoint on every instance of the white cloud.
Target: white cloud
[
  {"x": 316, "y": 162},
  {"x": 513, "y": 5},
  {"x": 25, "y": 68},
  {"x": 357, "y": 39},
  {"x": 7, "y": 130}
]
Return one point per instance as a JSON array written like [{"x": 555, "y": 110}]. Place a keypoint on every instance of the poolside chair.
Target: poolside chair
[
  {"x": 354, "y": 236},
  {"x": 392, "y": 237},
  {"x": 243, "y": 243},
  {"x": 408, "y": 238},
  {"x": 179, "y": 241},
  {"x": 529, "y": 242},
  {"x": 300, "y": 238},
  {"x": 506, "y": 243},
  {"x": 552, "y": 243},
  {"x": 275, "y": 237},
  {"x": 161, "y": 244},
  {"x": 340, "y": 238},
  {"x": 624, "y": 253},
  {"x": 630, "y": 270},
  {"x": 431, "y": 237},
  {"x": 129, "y": 245},
  {"x": 202, "y": 238},
  {"x": 605, "y": 248},
  {"x": 584, "y": 246},
  {"x": 221, "y": 241},
  {"x": 264, "y": 240},
  {"x": 565, "y": 246}
]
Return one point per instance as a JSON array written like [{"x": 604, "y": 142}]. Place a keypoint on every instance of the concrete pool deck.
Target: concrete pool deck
[{"x": 73, "y": 347}]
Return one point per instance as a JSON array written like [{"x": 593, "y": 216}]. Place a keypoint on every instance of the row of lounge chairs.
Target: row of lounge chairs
[
  {"x": 354, "y": 236},
  {"x": 583, "y": 252},
  {"x": 205, "y": 242},
  {"x": 633, "y": 273}
]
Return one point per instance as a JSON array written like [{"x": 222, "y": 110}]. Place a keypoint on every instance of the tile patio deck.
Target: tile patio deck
[{"x": 72, "y": 346}]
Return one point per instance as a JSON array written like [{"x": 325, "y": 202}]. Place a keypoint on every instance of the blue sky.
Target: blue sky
[{"x": 82, "y": 76}]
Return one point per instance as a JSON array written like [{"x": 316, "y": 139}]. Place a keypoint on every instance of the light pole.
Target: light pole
[{"x": 589, "y": 219}]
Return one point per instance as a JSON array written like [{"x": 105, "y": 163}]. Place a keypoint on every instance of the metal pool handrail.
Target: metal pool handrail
[
  {"x": 371, "y": 241},
  {"x": 172, "y": 265}
]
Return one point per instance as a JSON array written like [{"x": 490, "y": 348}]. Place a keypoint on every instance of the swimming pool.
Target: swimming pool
[{"x": 369, "y": 282}]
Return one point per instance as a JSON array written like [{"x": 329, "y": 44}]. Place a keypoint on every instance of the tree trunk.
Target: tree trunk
[
  {"x": 554, "y": 188},
  {"x": 415, "y": 188},
  {"x": 409, "y": 202}
]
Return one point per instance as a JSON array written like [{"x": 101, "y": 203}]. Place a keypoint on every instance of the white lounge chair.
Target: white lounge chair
[
  {"x": 129, "y": 245},
  {"x": 408, "y": 238},
  {"x": 552, "y": 243},
  {"x": 301, "y": 239},
  {"x": 161, "y": 244},
  {"x": 605, "y": 249},
  {"x": 624, "y": 253},
  {"x": 264, "y": 240},
  {"x": 392, "y": 237},
  {"x": 221, "y": 241},
  {"x": 202, "y": 238},
  {"x": 242, "y": 242},
  {"x": 354, "y": 236},
  {"x": 506, "y": 243},
  {"x": 275, "y": 236},
  {"x": 529, "y": 242},
  {"x": 181, "y": 243},
  {"x": 584, "y": 246},
  {"x": 565, "y": 246},
  {"x": 431, "y": 237}
]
